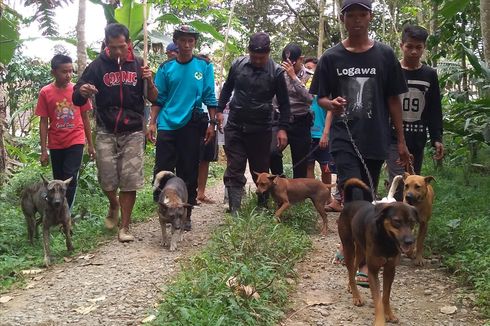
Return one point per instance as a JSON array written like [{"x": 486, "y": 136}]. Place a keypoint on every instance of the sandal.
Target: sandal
[
  {"x": 362, "y": 279},
  {"x": 338, "y": 259}
]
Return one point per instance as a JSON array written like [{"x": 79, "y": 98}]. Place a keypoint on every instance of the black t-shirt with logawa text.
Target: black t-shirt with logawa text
[{"x": 366, "y": 80}]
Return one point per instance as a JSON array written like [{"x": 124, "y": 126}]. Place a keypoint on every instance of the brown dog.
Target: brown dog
[
  {"x": 374, "y": 234},
  {"x": 419, "y": 193},
  {"x": 290, "y": 191},
  {"x": 48, "y": 199}
]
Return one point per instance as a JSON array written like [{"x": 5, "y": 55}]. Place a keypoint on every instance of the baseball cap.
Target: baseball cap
[
  {"x": 172, "y": 47},
  {"x": 259, "y": 42},
  {"x": 363, "y": 3},
  {"x": 292, "y": 52}
]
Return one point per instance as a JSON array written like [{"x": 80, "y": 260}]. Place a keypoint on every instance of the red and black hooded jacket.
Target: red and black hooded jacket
[{"x": 119, "y": 104}]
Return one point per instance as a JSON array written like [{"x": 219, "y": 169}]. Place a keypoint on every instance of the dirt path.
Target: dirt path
[
  {"x": 118, "y": 284},
  {"x": 417, "y": 297}
]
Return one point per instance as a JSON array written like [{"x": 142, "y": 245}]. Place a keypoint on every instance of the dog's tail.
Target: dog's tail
[
  {"x": 160, "y": 180},
  {"x": 394, "y": 187},
  {"x": 352, "y": 184}
]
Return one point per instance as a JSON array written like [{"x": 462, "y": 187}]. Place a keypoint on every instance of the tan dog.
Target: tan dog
[
  {"x": 419, "y": 193},
  {"x": 291, "y": 191}
]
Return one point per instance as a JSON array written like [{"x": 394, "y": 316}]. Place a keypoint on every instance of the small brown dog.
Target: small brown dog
[
  {"x": 286, "y": 192},
  {"x": 48, "y": 199},
  {"x": 374, "y": 234},
  {"x": 418, "y": 192}
]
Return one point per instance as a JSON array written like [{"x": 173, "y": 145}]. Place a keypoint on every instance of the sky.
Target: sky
[{"x": 66, "y": 18}]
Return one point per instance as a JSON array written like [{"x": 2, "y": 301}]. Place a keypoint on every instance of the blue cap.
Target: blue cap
[{"x": 172, "y": 47}]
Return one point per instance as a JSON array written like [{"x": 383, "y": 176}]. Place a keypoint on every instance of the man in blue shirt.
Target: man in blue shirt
[{"x": 184, "y": 84}]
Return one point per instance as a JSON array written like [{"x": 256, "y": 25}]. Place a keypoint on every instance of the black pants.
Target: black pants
[
  {"x": 65, "y": 163},
  {"x": 299, "y": 139},
  {"x": 178, "y": 151},
  {"x": 350, "y": 166},
  {"x": 276, "y": 165},
  {"x": 240, "y": 146}
]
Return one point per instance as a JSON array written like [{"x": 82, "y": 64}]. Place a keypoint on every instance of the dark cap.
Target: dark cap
[
  {"x": 172, "y": 47},
  {"x": 259, "y": 42},
  {"x": 363, "y": 3},
  {"x": 292, "y": 52}
]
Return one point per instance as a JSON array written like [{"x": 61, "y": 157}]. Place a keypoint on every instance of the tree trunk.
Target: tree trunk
[
  {"x": 321, "y": 28},
  {"x": 3, "y": 152},
  {"x": 338, "y": 5},
  {"x": 81, "y": 43},
  {"x": 485, "y": 28},
  {"x": 434, "y": 26}
]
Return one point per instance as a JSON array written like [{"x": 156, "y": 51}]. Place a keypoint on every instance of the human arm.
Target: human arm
[
  {"x": 435, "y": 117},
  {"x": 224, "y": 97},
  {"x": 395, "y": 109},
  {"x": 209, "y": 99},
  {"x": 85, "y": 87},
  {"x": 152, "y": 91},
  {"x": 326, "y": 131},
  {"x": 43, "y": 135},
  {"x": 284, "y": 110},
  {"x": 335, "y": 106},
  {"x": 296, "y": 85},
  {"x": 151, "y": 131},
  {"x": 88, "y": 134}
]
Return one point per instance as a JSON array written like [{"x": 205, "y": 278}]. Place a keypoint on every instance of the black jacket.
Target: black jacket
[
  {"x": 253, "y": 90},
  {"x": 119, "y": 106}
]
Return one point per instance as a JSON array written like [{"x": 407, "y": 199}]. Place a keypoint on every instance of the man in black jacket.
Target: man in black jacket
[
  {"x": 254, "y": 80},
  {"x": 115, "y": 78}
]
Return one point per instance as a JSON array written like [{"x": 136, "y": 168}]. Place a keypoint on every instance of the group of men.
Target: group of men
[{"x": 352, "y": 111}]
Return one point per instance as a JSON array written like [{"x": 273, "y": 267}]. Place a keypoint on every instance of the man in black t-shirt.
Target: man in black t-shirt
[
  {"x": 421, "y": 104},
  {"x": 360, "y": 81}
]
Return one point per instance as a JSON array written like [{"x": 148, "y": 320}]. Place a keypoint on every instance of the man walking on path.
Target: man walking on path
[
  {"x": 255, "y": 79},
  {"x": 359, "y": 80},
  {"x": 184, "y": 84},
  {"x": 115, "y": 77}
]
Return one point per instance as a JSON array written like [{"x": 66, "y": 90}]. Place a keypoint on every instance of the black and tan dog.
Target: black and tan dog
[
  {"x": 48, "y": 199},
  {"x": 286, "y": 192},
  {"x": 418, "y": 192},
  {"x": 374, "y": 234},
  {"x": 172, "y": 206}
]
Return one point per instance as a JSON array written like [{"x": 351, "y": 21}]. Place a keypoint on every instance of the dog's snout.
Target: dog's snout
[
  {"x": 410, "y": 198},
  {"x": 408, "y": 241},
  {"x": 57, "y": 203}
]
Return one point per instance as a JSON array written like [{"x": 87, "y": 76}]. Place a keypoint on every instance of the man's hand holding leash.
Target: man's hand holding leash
[
  {"x": 282, "y": 139},
  {"x": 88, "y": 90}
]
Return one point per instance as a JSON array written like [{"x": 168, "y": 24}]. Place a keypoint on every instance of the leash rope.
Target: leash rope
[
  {"x": 371, "y": 185},
  {"x": 307, "y": 155}
]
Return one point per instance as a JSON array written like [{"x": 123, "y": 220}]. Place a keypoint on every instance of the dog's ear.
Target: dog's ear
[
  {"x": 276, "y": 179},
  {"x": 382, "y": 211},
  {"x": 406, "y": 175},
  {"x": 67, "y": 181},
  {"x": 428, "y": 179},
  {"x": 272, "y": 176},
  {"x": 44, "y": 180}
]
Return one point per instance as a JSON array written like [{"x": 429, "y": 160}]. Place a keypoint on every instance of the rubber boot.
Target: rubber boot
[{"x": 234, "y": 199}]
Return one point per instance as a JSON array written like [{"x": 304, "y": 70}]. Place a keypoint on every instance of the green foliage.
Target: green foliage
[
  {"x": 9, "y": 35},
  {"x": 256, "y": 251},
  {"x": 459, "y": 228},
  {"x": 131, "y": 15}
]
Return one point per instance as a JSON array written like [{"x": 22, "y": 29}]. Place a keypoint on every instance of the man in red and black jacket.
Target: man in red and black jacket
[{"x": 115, "y": 78}]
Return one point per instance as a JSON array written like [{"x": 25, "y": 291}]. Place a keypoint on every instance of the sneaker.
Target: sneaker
[
  {"x": 125, "y": 236},
  {"x": 112, "y": 218}
]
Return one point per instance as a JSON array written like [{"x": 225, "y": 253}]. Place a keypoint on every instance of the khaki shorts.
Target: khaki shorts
[{"x": 120, "y": 160}]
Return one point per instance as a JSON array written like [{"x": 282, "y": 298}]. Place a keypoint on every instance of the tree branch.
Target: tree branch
[{"x": 300, "y": 20}]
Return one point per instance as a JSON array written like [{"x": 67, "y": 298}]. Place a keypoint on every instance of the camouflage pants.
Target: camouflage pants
[{"x": 120, "y": 160}]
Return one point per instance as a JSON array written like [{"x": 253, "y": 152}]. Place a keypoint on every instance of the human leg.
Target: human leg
[
  {"x": 276, "y": 165},
  {"x": 126, "y": 201},
  {"x": 71, "y": 166},
  {"x": 165, "y": 155},
  {"x": 234, "y": 177},
  {"x": 257, "y": 146},
  {"x": 299, "y": 138}
]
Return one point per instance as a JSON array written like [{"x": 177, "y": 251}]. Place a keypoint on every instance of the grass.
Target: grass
[
  {"x": 460, "y": 227},
  {"x": 254, "y": 249}
]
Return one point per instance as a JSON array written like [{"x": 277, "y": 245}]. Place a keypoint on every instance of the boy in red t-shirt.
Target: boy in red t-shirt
[{"x": 64, "y": 126}]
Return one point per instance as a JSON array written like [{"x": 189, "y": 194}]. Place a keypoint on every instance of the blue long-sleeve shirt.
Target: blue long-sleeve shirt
[{"x": 181, "y": 88}]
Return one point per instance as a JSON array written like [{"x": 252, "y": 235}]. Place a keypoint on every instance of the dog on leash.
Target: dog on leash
[
  {"x": 286, "y": 192},
  {"x": 418, "y": 193},
  {"x": 48, "y": 199},
  {"x": 375, "y": 234},
  {"x": 172, "y": 206}
]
